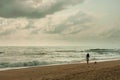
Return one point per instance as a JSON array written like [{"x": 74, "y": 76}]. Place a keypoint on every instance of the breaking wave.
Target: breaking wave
[{"x": 22, "y": 64}]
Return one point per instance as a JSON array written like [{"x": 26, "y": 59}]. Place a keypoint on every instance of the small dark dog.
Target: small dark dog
[{"x": 95, "y": 62}]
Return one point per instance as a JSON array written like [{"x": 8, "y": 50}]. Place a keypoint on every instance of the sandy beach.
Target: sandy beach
[{"x": 109, "y": 70}]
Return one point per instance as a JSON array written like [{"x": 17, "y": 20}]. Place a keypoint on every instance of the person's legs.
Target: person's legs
[{"x": 87, "y": 60}]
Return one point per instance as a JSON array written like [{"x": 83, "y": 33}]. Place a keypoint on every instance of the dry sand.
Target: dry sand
[{"x": 109, "y": 70}]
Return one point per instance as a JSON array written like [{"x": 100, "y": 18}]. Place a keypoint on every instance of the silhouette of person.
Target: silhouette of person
[{"x": 87, "y": 57}]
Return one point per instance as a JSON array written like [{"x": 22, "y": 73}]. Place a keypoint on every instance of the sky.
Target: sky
[{"x": 60, "y": 23}]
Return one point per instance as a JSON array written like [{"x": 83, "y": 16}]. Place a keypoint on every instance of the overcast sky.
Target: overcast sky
[{"x": 59, "y": 22}]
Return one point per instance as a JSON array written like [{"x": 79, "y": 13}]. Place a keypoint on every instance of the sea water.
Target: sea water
[{"x": 18, "y": 57}]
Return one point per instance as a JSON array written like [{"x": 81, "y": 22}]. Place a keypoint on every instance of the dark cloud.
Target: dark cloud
[
  {"x": 15, "y": 8},
  {"x": 18, "y": 8}
]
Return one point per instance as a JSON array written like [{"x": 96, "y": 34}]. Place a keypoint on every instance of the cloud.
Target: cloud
[
  {"x": 73, "y": 23},
  {"x": 11, "y": 26},
  {"x": 7, "y": 32},
  {"x": 56, "y": 27},
  {"x": 29, "y": 25},
  {"x": 112, "y": 33},
  {"x": 33, "y": 8}
]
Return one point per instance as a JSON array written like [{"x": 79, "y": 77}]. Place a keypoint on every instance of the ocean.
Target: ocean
[{"x": 18, "y": 57}]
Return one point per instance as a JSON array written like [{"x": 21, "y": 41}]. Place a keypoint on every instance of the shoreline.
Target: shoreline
[
  {"x": 80, "y": 62},
  {"x": 80, "y": 71}
]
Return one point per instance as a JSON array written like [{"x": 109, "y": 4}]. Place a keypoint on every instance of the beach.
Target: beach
[{"x": 108, "y": 70}]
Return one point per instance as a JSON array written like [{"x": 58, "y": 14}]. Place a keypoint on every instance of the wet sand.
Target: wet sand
[{"x": 109, "y": 70}]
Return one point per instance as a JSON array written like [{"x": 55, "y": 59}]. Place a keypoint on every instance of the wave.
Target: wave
[
  {"x": 39, "y": 56},
  {"x": 67, "y": 51},
  {"x": 103, "y": 51},
  {"x": 22, "y": 64}
]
